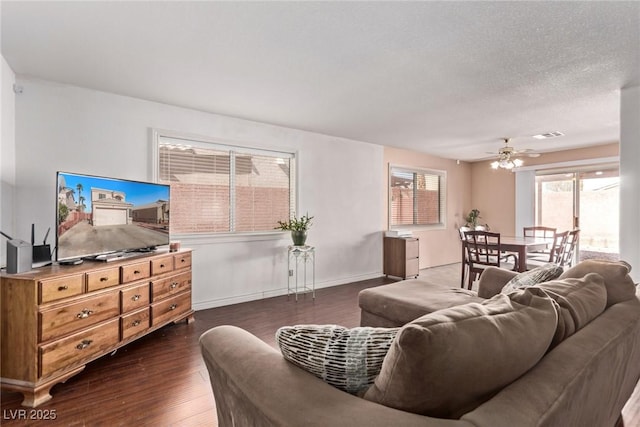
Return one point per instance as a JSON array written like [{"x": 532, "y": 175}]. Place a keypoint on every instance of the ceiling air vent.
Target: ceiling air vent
[{"x": 553, "y": 134}]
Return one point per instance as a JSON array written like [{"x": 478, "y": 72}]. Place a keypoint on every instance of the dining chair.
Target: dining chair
[
  {"x": 566, "y": 252},
  {"x": 465, "y": 264},
  {"x": 542, "y": 232},
  {"x": 559, "y": 242},
  {"x": 539, "y": 231},
  {"x": 483, "y": 250}
]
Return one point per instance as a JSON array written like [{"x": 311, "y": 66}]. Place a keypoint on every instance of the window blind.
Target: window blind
[
  {"x": 416, "y": 197},
  {"x": 219, "y": 188}
]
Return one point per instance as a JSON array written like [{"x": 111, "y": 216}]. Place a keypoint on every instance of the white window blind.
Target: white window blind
[
  {"x": 417, "y": 197},
  {"x": 218, "y": 188}
]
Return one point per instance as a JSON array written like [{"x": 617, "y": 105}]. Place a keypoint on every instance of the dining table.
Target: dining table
[{"x": 521, "y": 245}]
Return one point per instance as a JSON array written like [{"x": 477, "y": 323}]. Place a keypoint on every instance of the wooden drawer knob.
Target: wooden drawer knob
[
  {"x": 84, "y": 314},
  {"x": 84, "y": 344},
  {"x": 63, "y": 288},
  {"x": 173, "y": 306},
  {"x": 135, "y": 297}
]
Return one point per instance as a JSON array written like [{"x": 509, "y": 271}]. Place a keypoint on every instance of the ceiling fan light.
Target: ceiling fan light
[
  {"x": 517, "y": 162},
  {"x": 495, "y": 165}
]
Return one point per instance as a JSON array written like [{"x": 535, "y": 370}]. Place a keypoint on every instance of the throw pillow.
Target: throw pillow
[
  {"x": 446, "y": 363},
  {"x": 534, "y": 276},
  {"x": 579, "y": 302},
  {"x": 619, "y": 284},
  {"x": 348, "y": 359}
]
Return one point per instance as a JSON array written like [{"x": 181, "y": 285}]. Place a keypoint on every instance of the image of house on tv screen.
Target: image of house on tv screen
[{"x": 100, "y": 215}]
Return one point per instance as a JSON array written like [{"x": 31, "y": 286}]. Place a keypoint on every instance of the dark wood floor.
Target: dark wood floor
[{"x": 160, "y": 380}]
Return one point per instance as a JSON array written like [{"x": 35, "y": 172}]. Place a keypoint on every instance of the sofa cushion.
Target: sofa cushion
[
  {"x": 348, "y": 359},
  {"x": 404, "y": 301},
  {"x": 446, "y": 363},
  {"x": 534, "y": 276},
  {"x": 620, "y": 286},
  {"x": 579, "y": 302}
]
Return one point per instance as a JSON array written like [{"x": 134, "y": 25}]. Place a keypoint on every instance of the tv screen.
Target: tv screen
[{"x": 98, "y": 215}]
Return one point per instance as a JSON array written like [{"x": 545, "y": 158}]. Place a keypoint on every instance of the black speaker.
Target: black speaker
[{"x": 19, "y": 256}]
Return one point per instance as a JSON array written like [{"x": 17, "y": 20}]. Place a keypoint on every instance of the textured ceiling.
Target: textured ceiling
[{"x": 445, "y": 78}]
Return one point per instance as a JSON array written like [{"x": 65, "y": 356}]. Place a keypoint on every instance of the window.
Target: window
[
  {"x": 416, "y": 197},
  {"x": 217, "y": 188}
]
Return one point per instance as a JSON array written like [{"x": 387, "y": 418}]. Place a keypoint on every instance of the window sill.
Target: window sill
[
  {"x": 205, "y": 238},
  {"x": 418, "y": 228}
]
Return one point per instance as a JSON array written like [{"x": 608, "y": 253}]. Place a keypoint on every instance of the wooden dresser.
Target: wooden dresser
[
  {"x": 56, "y": 319},
  {"x": 401, "y": 257}
]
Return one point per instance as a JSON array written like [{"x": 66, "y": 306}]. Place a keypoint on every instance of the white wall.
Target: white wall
[
  {"x": 525, "y": 200},
  {"x": 630, "y": 178},
  {"x": 73, "y": 129},
  {"x": 7, "y": 154}
]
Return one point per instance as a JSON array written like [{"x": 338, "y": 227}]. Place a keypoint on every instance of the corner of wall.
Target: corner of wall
[{"x": 7, "y": 152}]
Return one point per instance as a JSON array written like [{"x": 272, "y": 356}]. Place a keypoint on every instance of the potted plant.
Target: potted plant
[
  {"x": 472, "y": 220},
  {"x": 298, "y": 228}
]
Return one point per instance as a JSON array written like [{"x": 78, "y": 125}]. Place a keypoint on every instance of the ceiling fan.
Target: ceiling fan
[{"x": 507, "y": 156}]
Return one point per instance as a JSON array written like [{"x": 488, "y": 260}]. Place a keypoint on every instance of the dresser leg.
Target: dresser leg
[
  {"x": 36, "y": 398},
  {"x": 37, "y": 395}
]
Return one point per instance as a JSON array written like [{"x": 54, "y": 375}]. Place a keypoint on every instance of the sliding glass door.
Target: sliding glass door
[{"x": 587, "y": 199}]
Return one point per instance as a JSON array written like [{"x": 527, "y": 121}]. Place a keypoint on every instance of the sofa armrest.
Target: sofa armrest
[
  {"x": 492, "y": 280},
  {"x": 254, "y": 385}
]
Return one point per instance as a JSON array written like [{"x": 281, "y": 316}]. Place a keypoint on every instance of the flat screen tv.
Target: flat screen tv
[{"x": 104, "y": 218}]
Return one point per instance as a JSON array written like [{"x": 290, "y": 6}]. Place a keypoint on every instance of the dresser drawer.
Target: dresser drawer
[
  {"x": 134, "y": 298},
  {"x": 162, "y": 265},
  {"x": 182, "y": 261},
  {"x": 134, "y": 323},
  {"x": 78, "y": 347},
  {"x": 163, "y": 288},
  {"x": 164, "y": 311},
  {"x": 72, "y": 317},
  {"x": 133, "y": 272},
  {"x": 60, "y": 287},
  {"x": 103, "y": 278}
]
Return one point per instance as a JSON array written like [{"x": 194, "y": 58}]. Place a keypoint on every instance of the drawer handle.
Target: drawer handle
[
  {"x": 63, "y": 288},
  {"x": 135, "y": 297},
  {"x": 84, "y": 344},
  {"x": 173, "y": 285},
  {"x": 161, "y": 265},
  {"x": 84, "y": 314},
  {"x": 136, "y": 322},
  {"x": 104, "y": 279},
  {"x": 136, "y": 271},
  {"x": 183, "y": 260},
  {"x": 173, "y": 306}
]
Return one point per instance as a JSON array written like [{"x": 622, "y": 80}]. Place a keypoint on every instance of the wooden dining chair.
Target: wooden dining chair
[
  {"x": 465, "y": 264},
  {"x": 555, "y": 252},
  {"x": 542, "y": 232},
  {"x": 539, "y": 231},
  {"x": 566, "y": 252},
  {"x": 483, "y": 250}
]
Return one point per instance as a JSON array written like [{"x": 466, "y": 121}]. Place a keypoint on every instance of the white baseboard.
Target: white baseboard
[{"x": 220, "y": 302}]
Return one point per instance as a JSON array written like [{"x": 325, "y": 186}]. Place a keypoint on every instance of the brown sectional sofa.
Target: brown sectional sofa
[{"x": 584, "y": 378}]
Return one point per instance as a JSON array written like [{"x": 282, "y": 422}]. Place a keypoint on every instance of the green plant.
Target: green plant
[
  {"x": 296, "y": 224},
  {"x": 472, "y": 219}
]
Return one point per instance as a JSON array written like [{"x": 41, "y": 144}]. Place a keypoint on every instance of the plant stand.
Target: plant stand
[{"x": 301, "y": 255}]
